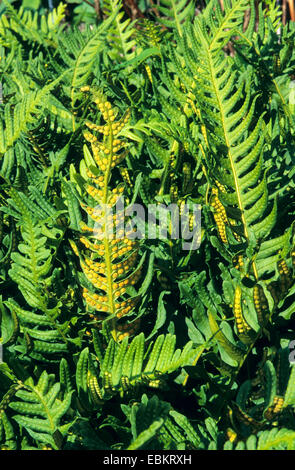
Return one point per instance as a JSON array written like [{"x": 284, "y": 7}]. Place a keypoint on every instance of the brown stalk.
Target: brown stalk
[{"x": 291, "y": 9}]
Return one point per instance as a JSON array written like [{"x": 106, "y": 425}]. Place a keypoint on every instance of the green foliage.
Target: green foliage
[
  {"x": 174, "y": 13},
  {"x": 140, "y": 343}
]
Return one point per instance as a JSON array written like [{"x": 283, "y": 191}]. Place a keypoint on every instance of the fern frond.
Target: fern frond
[
  {"x": 79, "y": 51},
  {"x": 31, "y": 270},
  {"x": 40, "y": 408},
  {"x": 126, "y": 366},
  {"x": 218, "y": 25},
  {"x": 18, "y": 118},
  {"x": 114, "y": 252},
  {"x": 121, "y": 31},
  {"x": 274, "y": 439},
  {"x": 175, "y": 13},
  {"x": 31, "y": 26},
  {"x": 243, "y": 204}
]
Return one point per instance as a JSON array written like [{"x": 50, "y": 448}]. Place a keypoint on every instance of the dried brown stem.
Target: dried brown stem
[{"x": 291, "y": 9}]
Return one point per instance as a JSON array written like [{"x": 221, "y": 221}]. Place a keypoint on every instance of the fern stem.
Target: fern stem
[{"x": 107, "y": 251}]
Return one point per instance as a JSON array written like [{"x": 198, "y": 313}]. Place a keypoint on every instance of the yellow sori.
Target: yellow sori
[{"x": 108, "y": 262}]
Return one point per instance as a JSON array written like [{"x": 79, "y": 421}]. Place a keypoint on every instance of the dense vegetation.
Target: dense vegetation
[{"x": 132, "y": 343}]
